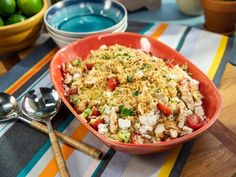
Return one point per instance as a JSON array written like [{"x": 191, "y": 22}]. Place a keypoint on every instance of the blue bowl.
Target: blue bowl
[{"x": 85, "y": 17}]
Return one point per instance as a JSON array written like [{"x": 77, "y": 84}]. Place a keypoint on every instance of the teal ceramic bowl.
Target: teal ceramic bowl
[{"x": 77, "y": 18}]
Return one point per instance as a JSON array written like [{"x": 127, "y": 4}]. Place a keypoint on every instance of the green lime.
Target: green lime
[
  {"x": 29, "y": 7},
  {"x": 7, "y": 7},
  {"x": 1, "y": 22},
  {"x": 15, "y": 18}
]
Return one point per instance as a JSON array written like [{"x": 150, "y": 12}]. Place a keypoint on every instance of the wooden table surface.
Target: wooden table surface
[
  {"x": 209, "y": 156},
  {"x": 214, "y": 153}
]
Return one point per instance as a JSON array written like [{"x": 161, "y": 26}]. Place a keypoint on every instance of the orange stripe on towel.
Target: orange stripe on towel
[
  {"x": 159, "y": 31},
  {"x": 51, "y": 169},
  {"x": 24, "y": 78}
]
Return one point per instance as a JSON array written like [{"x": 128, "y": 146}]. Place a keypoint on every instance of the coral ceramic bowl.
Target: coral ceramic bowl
[
  {"x": 21, "y": 35},
  {"x": 82, "y": 48}
]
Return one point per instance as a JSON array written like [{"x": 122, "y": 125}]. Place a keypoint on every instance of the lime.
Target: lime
[
  {"x": 29, "y": 7},
  {"x": 15, "y": 18},
  {"x": 1, "y": 22},
  {"x": 7, "y": 7}
]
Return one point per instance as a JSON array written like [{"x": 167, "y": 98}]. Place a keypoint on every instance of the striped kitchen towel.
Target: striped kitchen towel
[{"x": 27, "y": 152}]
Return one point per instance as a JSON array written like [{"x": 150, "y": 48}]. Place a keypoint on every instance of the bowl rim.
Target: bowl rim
[
  {"x": 168, "y": 143},
  {"x": 121, "y": 28},
  {"x": 28, "y": 20},
  {"x": 84, "y": 33}
]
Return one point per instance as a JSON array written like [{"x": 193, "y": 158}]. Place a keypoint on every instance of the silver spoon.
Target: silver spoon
[
  {"x": 43, "y": 109},
  {"x": 9, "y": 110}
]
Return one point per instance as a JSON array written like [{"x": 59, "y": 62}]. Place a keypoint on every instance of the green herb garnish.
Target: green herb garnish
[
  {"x": 125, "y": 111},
  {"x": 129, "y": 78},
  {"x": 76, "y": 62},
  {"x": 136, "y": 93}
]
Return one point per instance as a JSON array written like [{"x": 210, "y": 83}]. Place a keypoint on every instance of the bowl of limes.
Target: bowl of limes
[{"x": 20, "y": 23}]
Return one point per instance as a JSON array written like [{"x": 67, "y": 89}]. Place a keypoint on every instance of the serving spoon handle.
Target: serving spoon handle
[
  {"x": 57, "y": 150},
  {"x": 91, "y": 151}
]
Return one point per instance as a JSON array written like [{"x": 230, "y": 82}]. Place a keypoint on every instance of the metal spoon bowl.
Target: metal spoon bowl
[
  {"x": 8, "y": 106},
  {"x": 43, "y": 107},
  {"x": 9, "y": 110}
]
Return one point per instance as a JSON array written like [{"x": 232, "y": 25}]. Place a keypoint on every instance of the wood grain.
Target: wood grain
[
  {"x": 7, "y": 64},
  {"x": 212, "y": 156},
  {"x": 93, "y": 152},
  {"x": 58, "y": 155},
  {"x": 225, "y": 135}
]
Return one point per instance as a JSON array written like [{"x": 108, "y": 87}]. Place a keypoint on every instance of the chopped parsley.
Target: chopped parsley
[
  {"x": 129, "y": 78},
  {"x": 136, "y": 93},
  {"x": 125, "y": 111}
]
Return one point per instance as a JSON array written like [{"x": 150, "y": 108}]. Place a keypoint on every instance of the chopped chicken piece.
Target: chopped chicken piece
[
  {"x": 170, "y": 125},
  {"x": 160, "y": 130},
  {"x": 137, "y": 138},
  {"x": 106, "y": 118},
  {"x": 162, "y": 98},
  {"x": 90, "y": 81},
  {"x": 181, "y": 115},
  {"x": 186, "y": 96},
  {"x": 198, "y": 103},
  {"x": 68, "y": 78},
  {"x": 76, "y": 76},
  {"x": 173, "y": 133},
  {"x": 199, "y": 111},
  {"x": 82, "y": 106},
  {"x": 113, "y": 120},
  {"x": 187, "y": 130}
]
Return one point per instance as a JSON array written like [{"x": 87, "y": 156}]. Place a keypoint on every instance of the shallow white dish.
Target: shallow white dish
[{"x": 61, "y": 13}]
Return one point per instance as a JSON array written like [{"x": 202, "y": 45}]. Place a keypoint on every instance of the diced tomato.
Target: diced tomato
[
  {"x": 112, "y": 83},
  {"x": 164, "y": 109},
  {"x": 73, "y": 91},
  {"x": 89, "y": 66},
  {"x": 95, "y": 123},
  {"x": 170, "y": 64},
  {"x": 194, "y": 121},
  {"x": 95, "y": 111}
]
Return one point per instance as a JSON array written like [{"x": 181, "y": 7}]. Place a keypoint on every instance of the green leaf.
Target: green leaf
[
  {"x": 136, "y": 93},
  {"x": 129, "y": 78},
  {"x": 125, "y": 111}
]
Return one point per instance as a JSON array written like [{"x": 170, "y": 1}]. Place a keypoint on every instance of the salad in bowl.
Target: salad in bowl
[{"x": 134, "y": 93}]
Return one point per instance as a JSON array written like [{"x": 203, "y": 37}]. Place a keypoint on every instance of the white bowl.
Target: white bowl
[
  {"x": 60, "y": 43},
  {"x": 61, "y": 37},
  {"x": 58, "y": 14},
  {"x": 65, "y": 39}
]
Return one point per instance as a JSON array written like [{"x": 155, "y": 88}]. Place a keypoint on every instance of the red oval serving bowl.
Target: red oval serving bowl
[{"x": 82, "y": 48}]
